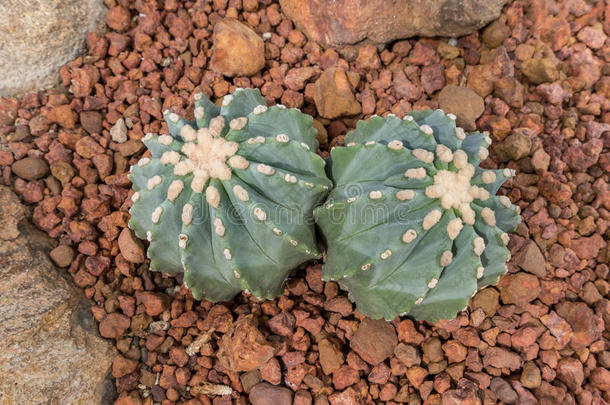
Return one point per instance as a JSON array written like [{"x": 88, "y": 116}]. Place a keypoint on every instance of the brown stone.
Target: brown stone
[
  {"x": 331, "y": 357},
  {"x": 62, "y": 255},
  {"x": 334, "y": 95},
  {"x": 488, "y": 300},
  {"x": 237, "y": 49},
  {"x": 464, "y": 103},
  {"x": 267, "y": 394},
  {"x": 374, "y": 340},
  {"x": 530, "y": 259},
  {"x": 50, "y": 350},
  {"x": 540, "y": 70},
  {"x": 30, "y": 168},
  {"x": 131, "y": 247},
  {"x": 346, "y": 22},
  {"x": 244, "y": 348}
]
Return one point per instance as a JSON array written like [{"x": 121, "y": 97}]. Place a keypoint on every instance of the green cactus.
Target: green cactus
[
  {"x": 413, "y": 225},
  {"x": 228, "y": 198}
]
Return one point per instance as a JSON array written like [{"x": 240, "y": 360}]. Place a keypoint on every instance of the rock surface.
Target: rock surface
[
  {"x": 238, "y": 50},
  {"x": 42, "y": 35},
  {"x": 348, "y": 22},
  {"x": 50, "y": 351}
]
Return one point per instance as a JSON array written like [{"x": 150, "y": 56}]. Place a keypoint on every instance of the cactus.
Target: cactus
[
  {"x": 228, "y": 198},
  {"x": 413, "y": 225}
]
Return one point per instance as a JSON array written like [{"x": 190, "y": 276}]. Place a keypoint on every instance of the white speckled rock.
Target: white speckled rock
[
  {"x": 50, "y": 350},
  {"x": 38, "y": 37}
]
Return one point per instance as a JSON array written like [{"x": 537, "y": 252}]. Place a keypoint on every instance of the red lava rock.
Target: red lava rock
[
  {"x": 339, "y": 304},
  {"x": 408, "y": 334},
  {"x": 374, "y": 340},
  {"x": 519, "y": 288},
  {"x": 600, "y": 378},
  {"x": 128, "y": 400},
  {"x": 344, "y": 377},
  {"x": 238, "y": 50},
  {"x": 282, "y": 324},
  {"x": 131, "y": 247},
  {"x": 380, "y": 374},
  {"x": 407, "y": 355},
  {"x": 570, "y": 371},
  {"x": 244, "y": 348},
  {"x": 587, "y": 248},
  {"x": 331, "y": 357},
  {"x": 558, "y": 328},
  {"x": 501, "y": 358},
  {"x": 587, "y": 327},
  {"x": 118, "y": 18},
  {"x": 63, "y": 115},
  {"x": 368, "y": 58},
  {"x": 416, "y": 376},
  {"x": 154, "y": 303},
  {"x": 114, "y": 325},
  {"x": 271, "y": 371},
  {"x": 122, "y": 366},
  {"x": 347, "y": 397}
]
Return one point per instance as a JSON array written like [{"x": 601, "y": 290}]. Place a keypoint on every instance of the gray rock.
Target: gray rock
[
  {"x": 50, "y": 350},
  {"x": 40, "y": 36},
  {"x": 349, "y": 22}
]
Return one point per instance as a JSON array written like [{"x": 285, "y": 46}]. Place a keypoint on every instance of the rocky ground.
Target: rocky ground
[{"x": 539, "y": 80}]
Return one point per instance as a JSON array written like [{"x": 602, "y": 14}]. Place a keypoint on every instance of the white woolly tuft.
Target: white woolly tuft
[
  {"x": 156, "y": 214},
  {"x": 153, "y": 182},
  {"x": 478, "y": 245},
  {"x": 174, "y": 189},
  {"x": 431, "y": 219},
  {"x": 212, "y": 196},
  {"x": 424, "y": 155},
  {"x": 409, "y": 236},
  {"x": 488, "y": 216},
  {"x": 187, "y": 213}
]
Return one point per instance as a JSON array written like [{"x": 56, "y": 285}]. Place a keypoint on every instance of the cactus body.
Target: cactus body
[
  {"x": 228, "y": 198},
  {"x": 413, "y": 225}
]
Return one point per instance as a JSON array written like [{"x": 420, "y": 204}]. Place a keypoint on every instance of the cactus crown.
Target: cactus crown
[
  {"x": 228, "y": 198},
  {"x": 413, "y": 225}
]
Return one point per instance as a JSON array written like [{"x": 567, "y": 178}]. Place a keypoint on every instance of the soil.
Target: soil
[{"x": 540, "y": 336}]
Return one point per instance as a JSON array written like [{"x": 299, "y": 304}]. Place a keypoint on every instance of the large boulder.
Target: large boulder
[
  {"x": 349, "y": 22},
  {"x": 50, "y": 351},
  {"x": 38, "y": 37}
]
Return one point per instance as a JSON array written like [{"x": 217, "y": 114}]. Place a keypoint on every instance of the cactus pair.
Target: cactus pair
[{"x": 412, "y": 225}]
